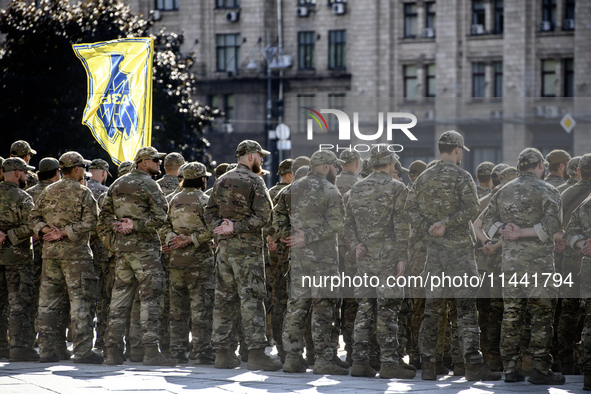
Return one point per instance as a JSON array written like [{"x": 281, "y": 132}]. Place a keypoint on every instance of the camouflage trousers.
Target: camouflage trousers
[
  {"x": 62, "y": 279},
  {"x": 105, "y": 288},
  {"x": 451, "y": 261},
  {"x": 280, "y": 284},
  {"x": 139, "y": 272},
  {"x": 541, "y": 311},
  {"x": 191, "y": 301},
  {"x": 383, "y": 313},
  {"x": 37, "y": 270},
  {"x": 417, "y": 303},
  {"x": 322, "y": 326},
  {"x": 568, "y": 324},
  {"x": 16, "y": 281},
  {"x": 240, "y": 275}
]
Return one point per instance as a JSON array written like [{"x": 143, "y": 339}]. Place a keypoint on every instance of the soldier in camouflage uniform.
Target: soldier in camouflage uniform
[
  {"x": 527, "y": 212},
  {"x": 238, "y": 209},
  {"x": 557, "y": 167},
  {"x": 23, "y": 150},
  {"x": 441, "y": 205},
  {"x": 49, "y": 172},
  {"x": 64, "y": 216},
  {"x": 285, "y": 175},
  {"x": 578, "y": 236},
  {"x": 125, "y": 168},
  {"x": 99, "y": 170},
  {"x": 134, "y": 208},
  {"x": 217, "y": 172},
  {"x": 191, "y": 267},
  {"x": 571, "y": 304},
  {"x": 573, "y": 175},
  {"x": 347, "y": 178},
  {"x": 316, "y": 219},
  {"x": 484, "y": 177},
  {"x": 375, "y": 226},
  {"x": 170, "y": 181},
  {"x": 16, "y": 261}
]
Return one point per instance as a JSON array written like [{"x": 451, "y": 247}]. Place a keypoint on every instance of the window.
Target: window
[
  {"x": 410, "y": 20},
  {"x": 167, "y": 5},
  {"x": 548, "y": 78},
  {"x": 549, "y": 13},
  {"x": 498, "y": 78},
  {"x": 569, "y": 78},
  {"x": 227, "y": 52},
  {"x": 306, "y": 42},
  {"x": 304, "y": 101},
  {"x": 337, "y": 42},
  {"x": 478, "y": 12},
  {"x": 227, "y": 4},
  {"x": 430, "y": 83},
  {"x": 225, "y": 103},
  {"x": 430, "y": 15},
  {"x": 478, "y": 79},
  {"x": 307, "y": 2},
  {"x": 410, "y": 82},
  {"x": 569, "y": 15},
  {"x": 499, "y": 22},
  {"x": 229, "y": 107},
  {"x": 335, "y": 101}
]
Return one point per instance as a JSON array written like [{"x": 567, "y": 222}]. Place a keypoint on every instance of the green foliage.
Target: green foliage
[{"x": 43, "y": 85}]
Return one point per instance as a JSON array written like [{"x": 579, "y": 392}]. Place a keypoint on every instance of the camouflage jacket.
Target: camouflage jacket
[
  {"x": 96, "y": 188},
  {"x": 572, "y": 197},
  {"x": 443, "y": 192},
  {"x": 276, "y": 189},
  {"x": 345, "y": 181},
  {"x": 569, "y": 182},
  {"x": 185, "y": 216},
  {"x": 168, "y": 183},
  {"x": 32, "y": 179},
  {"x": 69, "y": 206},
  {"x": 579, "y": 226},
  {"x": 317, "y": 209},
  {"x": 36, "y": 190},
  {"x": 526, "y": 201},
  {"x": 15, "y": 207},
  {"x": 242, "y": 197},
  {"x": 482, "y": 191},
  {"x": 375, "y": 216},
  {"x": 138, "y": 197},
  {"x": 282, "y": 213},
  {"x": 555, "y": 180}
]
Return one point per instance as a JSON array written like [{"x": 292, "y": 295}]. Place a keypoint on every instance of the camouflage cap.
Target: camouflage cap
[
  {"x": 73, "y": 159},
  {"x": 453, "y": 138},
  {"x": 285, "y": 167},
  {"x": 508, "y": 174},
  {"x": 573, "y": 164},
  {"x": 350, "y": 156},
  {"x": 195, "y": 170},
  {"x": 180, "y": 174},
  {"x": 557, "y": 156},
  {"x": 529, "y": 156},
  {"x": 585, "y": 162},
  {"x": 299, "y": 162},
  {"x": 48, "y": 164},
  {"x": 366, "y": 168},
  {"x": 21, "y": 148},
  {"x": 324, "y": 157},
  {"x": 15, "y": 164},
  {"x": 498, "y": 169},
  {"x": 250, "y": 146},
  {"x": 380, "y": 154},
  {"x": 220, "y": 170},
  {"x": 100, "y": 164},
  {"x": 417, "y": 167},
  {"x": 126, "y": 167},
  {"x": 174, "y": 159},
  {"x": 301, "y": 172},
  {"x": 148, "y": 152},
  {"x": 485, "y": 168}
]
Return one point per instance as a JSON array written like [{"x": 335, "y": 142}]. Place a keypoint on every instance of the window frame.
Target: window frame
[
  {"x": 478, "y": 13},
  {"x": 430, "y": 15},
  {"x": 162, "y": 7},
  {"x": 499, "y": 16},
  {"x": 569, "y": 77},
  {"x": 544, "y": 73},
  {"x": 407, "y": 79},
  {"x": 428, "y": 78},
  {"x": 307, "y": 50},
  {"x": 480, "y": 76},
  {"x": 225, "y": 4},
  {"x": 497, "y": 79},
  {"x": 222, "y": 48},
  {"x": 337, "y": 49},
  {"x": 549, "y": 12},
  {"x": 408, "y": 17}
]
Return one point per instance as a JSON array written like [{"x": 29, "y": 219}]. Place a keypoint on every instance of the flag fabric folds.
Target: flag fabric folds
[{"x": 119, "y": 101}]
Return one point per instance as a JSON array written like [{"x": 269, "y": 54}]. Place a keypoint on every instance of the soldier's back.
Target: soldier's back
[{"x": 168, "y": 183}]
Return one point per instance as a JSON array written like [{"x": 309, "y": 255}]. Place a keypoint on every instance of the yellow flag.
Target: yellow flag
[{"x": 119, "y": 102}]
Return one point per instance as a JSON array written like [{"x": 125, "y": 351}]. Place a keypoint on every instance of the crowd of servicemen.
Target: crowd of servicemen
[{"x": 149, "y": 262}]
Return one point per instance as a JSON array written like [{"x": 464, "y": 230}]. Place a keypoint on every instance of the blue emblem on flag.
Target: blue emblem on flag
[{"x": 116, "y": 110}]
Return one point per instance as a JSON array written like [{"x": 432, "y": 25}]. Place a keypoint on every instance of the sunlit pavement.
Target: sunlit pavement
[{"x": 67, "y": 377}]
